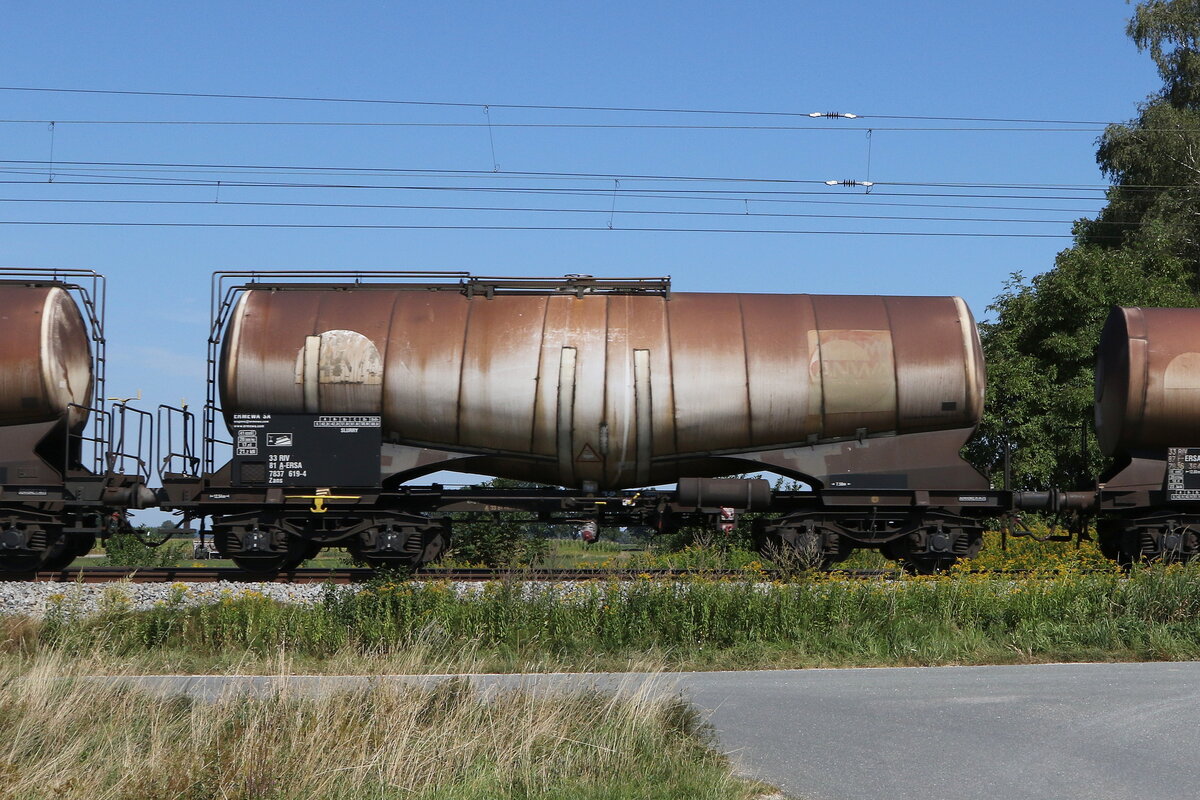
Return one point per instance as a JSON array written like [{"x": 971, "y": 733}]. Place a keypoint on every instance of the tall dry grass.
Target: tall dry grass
[{"x": 69, "y": 735}]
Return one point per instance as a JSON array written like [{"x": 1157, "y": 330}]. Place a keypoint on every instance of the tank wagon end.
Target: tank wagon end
[
  {"x": 61, "y": 478},
  {"x": 1148, "y": 419}
]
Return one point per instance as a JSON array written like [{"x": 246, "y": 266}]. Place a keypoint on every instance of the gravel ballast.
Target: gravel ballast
[{"x": 33, "y": 598}]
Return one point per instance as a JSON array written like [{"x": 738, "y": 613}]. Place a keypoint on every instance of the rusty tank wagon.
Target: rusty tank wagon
[
  {"x": 66, "y": 464},
  {"x": 337, "y": 389},
  {"x": 1148, "y": 420}
]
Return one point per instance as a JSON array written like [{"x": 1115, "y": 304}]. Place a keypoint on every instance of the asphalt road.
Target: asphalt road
[{"x": 1051, "y": 732}]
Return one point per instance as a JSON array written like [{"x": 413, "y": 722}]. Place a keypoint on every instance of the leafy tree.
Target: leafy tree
[
  {"x": 1040, "y": 351},
  {"x": 1142, "y": 249}
]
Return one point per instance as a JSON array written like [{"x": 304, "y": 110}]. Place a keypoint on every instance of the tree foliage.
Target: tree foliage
[{"x": 1142, "y": 249}]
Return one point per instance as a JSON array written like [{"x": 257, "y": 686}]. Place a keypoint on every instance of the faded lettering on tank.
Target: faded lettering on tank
[
  {"x": 1183, "y": 373},
  {"x": 855, "y": 370}
]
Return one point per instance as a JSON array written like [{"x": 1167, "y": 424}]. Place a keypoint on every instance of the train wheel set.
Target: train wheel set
[{"x": 329, "y": 393}]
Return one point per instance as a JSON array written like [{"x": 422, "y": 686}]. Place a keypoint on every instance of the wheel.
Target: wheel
[
  {"x": 59, "y": 555},
  {"x": 26, "y": 548},
  {"x": 19, "y": 563},
  {"x": 261, "y": 557},
  {"x": 935, "y": 550},
  {"x": 792, "y": 547},
  {"x": 917, "y": 565},
  {"x": 307, "y": 551},
  {"x": 262, "y": 566}
]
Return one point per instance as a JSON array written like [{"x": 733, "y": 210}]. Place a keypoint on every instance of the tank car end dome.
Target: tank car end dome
[
  {"x": 1148, "y": 379},
  {"x": 46, "y": 353}
]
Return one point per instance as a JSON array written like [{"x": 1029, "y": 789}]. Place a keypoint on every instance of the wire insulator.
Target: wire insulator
[{"x": 850, "y": 183}]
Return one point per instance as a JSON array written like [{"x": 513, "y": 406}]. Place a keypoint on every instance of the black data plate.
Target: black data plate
[
  {"x": 306, "y": 450},
  {"x": 1183, "y": 473}
]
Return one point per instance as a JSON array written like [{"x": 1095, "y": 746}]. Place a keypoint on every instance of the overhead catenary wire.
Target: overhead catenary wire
[
  {"x": 606, "y": 177},
  {"x": 601, "y": 228},
  {"x": 545, "y": 106},
  {"x": 548, "y": 125},
  {"x": 522, "y": 209},
  {"x": 662, "y": 189},
  {"x": 666, "y": 194},
  {"x": 729, "y": 193}
]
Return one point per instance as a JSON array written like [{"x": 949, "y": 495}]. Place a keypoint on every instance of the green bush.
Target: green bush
[
  {"x": 498, "y": 540},
  {"x": 130, "y": 550},
  {"x": 501, "y": 538}
]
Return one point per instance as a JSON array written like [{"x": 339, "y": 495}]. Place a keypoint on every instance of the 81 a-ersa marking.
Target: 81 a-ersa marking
[
  {"x": 306, "y": 450},
  {"x": 1183, "y": 473}
]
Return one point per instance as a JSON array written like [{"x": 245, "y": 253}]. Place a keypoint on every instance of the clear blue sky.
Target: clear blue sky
[{"x": 1060, "y": 60}]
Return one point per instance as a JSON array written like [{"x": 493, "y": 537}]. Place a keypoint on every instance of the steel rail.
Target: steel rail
[{"x": 363, "y": 575}]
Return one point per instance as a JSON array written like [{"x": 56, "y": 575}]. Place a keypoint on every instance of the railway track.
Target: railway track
[
  {"x": 349, "y": 576},
  {"x": 364, "y": 575}
]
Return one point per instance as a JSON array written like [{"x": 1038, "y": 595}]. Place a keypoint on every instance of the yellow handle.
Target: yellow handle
[{"x": 318, "y": 506}]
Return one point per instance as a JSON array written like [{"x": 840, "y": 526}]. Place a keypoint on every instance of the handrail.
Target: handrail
[
  {"x": 120, "y": 457},
  {"x": 180, "y": 458},
  {"x": 100, "y": 427}
]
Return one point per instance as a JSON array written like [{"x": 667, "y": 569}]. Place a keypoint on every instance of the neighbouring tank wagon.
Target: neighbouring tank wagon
[
  {"x": 1148, "y": 379},
  {"x": 61, "y": 479},
  {"x": 45, "y": 356},
  {"x": 1148, "y": 419}
]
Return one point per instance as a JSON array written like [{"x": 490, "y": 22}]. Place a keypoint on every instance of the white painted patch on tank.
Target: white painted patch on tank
[
  {"x": 336, "y": 357},
  {"x": 341, "y": 357}
]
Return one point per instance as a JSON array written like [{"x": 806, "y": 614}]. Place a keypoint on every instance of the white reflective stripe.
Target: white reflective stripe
[
  {"x": 312, "y": 376},
  {"x": 972, "y": 389},
  {"x": 642, "y": 413},
  {"x": 566, "y": 413}
]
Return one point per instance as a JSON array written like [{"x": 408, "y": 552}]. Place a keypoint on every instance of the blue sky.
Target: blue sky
[{"x": 1061, "y": 60}]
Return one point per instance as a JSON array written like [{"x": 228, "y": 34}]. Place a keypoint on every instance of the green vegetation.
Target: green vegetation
[
  {"x": 1063, "y": 614},
  {"x": 130, "y": 550},
  {"x": 1142, "y": 249},
  {"x": 501, "y": 540},
  {"x": 70, "y": 737}
]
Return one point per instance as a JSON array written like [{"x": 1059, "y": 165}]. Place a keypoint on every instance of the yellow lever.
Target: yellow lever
[{"x": 318, "y": 506}]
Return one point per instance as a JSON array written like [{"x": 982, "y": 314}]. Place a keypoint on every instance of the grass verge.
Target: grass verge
[
  {"x": 70, "y": 737},
  {"x": 1152, "y": 614}
]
